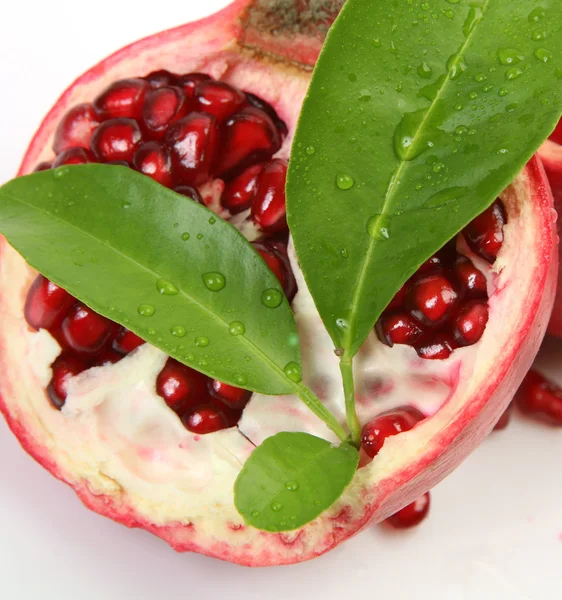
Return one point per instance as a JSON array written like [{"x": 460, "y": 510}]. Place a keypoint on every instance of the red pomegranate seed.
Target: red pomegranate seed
[
  {"x": 205, "y": 419},
  {"x": 503, "y": 421},
  {"x": 471, "y": 281},
  {"x": 123, "y": 98},
  {"x": 470, "y": 323},
  {"x": 126, "y": 341},
  {"x": 42, "y": 166},
  {"x": 540, "y": 398},
  {"x": 189, "y": 192},
  {"x": 153, "y": 159},
  {"x": 269, "y": 110},
  {"x": 268, "y": 209},
  {"x": 218, "y": 98},
  {"x": 64, "y": 367},
  {"x": 431, "y": 299},
  {"x": 193, "y": 143},
  {"x": 231, "y": 396},
  {"x": 162, "y": 107},
  {"x": 76, "y": 128},
  {"x": 386, "y": 425},
  {"x": 46, "y": 304},
  {"x": 161, "y": 78},
  {"x": 410, "y": 515},
  {"x": 84, "y": 330},
  {"x": 556, "y": 135},
  {"x": 484, "y": 234},
  {"x": 241, "y": 191},
  {"x": 398, "y": 328},
  {"x": 73, "y": 156},
  {"x": 399, "y": 298},
  {"x": 181, "y": 386},
  {"x": 107, "y": 357},
  {"x": 189, "y": 82},
  {"x": 278, "y": 262},
  {"x": 249, "y": 136},
  {"x": 439, "y": 347},
  {"x": 116, "y": 140}
]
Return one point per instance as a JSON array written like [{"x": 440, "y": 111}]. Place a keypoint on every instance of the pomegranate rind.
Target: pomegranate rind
[{"x": 409, "y": 464}]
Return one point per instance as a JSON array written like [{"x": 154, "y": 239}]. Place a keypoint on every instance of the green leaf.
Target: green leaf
[
  {"x": 291, "y": 479},
  {"x": 158, "y": 263},
  {"x": 419, "y": 114}
]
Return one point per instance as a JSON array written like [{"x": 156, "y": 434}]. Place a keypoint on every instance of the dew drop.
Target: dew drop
[
  {"x": 272, "y": 298},
  {"x": 212, "y": 220},
  {"x": 538, "y": 35},
  {"x": 480, "y": 78},
  {"x": 543, "y": 54},
  {"x": 344, "y": 181},
  {"x": 214, "y": 281},
  {"x": 344, "y": 253},
  {"x": 503, "y": 92},
  {"x": 406, "y": 145},
  {"x": 178, "y": 331},
  {"x": 438, "y": 167},
  {"x": 445, "y": 197},
  {"x": 201, "y": 342},
  {"x": 342, "y": 324},
  {"x": 536, "y": 15},
  {"x": 425, "y": 71},
  {"x": 473, "y": 95},
  {"x": 199, "y": 236},
  {"x": 461, "y": 130},
  {"x": 378, "y": 228},
  {"x": 487, "y": 88},
  {"x": 240, "y": 380},
  {"x": 276, "y": 507},
  {"x": 151, "y": 331},
  {"x": 513, "y": 73},
  {"x": 125, "y": 204},
  {"x": 292, "y": 486},
  {"x": 237, "y": 328},
  {"x": 166, "y": 288},
  {"x": 185, "y": 236},
  {"x": 459, "y": 107},
  {"x": 146, "y": 310},
  {"x": 377, "y": 43},
  {"x": 256, "y": 513},
  {"x": 293, "y": 371},
  {"x": 453, "y": 1},
  {"x": 189, "y": 357},
  {"x": 310, "y": 150},
  {"x": 474, "y": 17},
  {"x": 60, "y": 172},
  {"x": 509, "y": 56}
]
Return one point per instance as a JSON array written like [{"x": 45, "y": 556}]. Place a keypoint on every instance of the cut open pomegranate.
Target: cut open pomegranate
[{"x": 151, "y": 444}]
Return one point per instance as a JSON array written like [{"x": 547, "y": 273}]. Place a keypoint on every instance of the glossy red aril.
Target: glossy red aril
[
  {"x": 86, "y": 331},
  {"x": 65, "y": 366},
  {"x": 218, "y": 98},
  {"x": 399, "y": 328},
  {"x": 268, "y": 209},
  {"x": 241, "y": 191},
  {"x": 121, "y": 99},
  {"x": 231, "y": 396},
  {"x": 193, "y": 143},
  {"x": 107, "y": 356},
  {"x": 277, "y": 261},
  {"x": 190, "y": 81},
  {"x": 540, "y": 398},
  {"x": 126, "y": 341},
  {"x": 205, "y": 419},
  {"x": 387, "y": 425},
  {"x": 153, "y": 159},
  {"x": 46, "y": 303},
  {"x": 73, "y": 156},
  {"x": 76, "y": 128},
  {"x": 116, "y": 140},
  {"x": 161, "y": 78},
  {"x": 180, "y": 386},
  {"x": 471, "y": 281},
  {"x": 484, "y": 234},
  {"x": 471, "y": 322},
  {"x": 431, "y": 299},
  {"x": 438, "y": 347},
  {"x": 162, "y": 107},
  {"x": 411, "y": 515}
]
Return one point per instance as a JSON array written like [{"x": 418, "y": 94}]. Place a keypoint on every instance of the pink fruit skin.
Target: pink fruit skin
[
  {"x": 461, "y": 430},
  {"x": 551, "y": 155}
]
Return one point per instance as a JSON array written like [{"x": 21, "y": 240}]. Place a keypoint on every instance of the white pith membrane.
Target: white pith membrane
[{"x": 128, "y": 455}]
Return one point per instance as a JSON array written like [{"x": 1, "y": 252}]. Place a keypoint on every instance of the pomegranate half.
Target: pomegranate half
[{"x": 125, "y": 451}]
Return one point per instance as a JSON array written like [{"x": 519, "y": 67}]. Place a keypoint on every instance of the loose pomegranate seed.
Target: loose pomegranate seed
[
  {"x": 46, "y": 304},
  {"x": 76, "y": 128},
  {"x": 471, "y": 281},
  {"x": 189, "y": 82},
  {"x": 249, "y": 136},
  {"x": 162, "y": 107},
  {"x": 240, "y": 192},
  {"x": 126, "y": 341},
  {"x": 470, "y": 323},
  {"x": 116, "y": 140},
  {"x": 121, "y": 99},
  {"x": 205, "y": 419},
  {"x": 162, "y": 78},
  {"x": 399, "y": 298},
  {"x": 231, "y": 396},
  {"x": 439, "y": 347},
  {"x": 181, "y": 386},
  {"x": 153, "y": 159},
  {"x": 107, "y": 357},
  {"x": 84, "y": 330},
  {"x": 540, "y": 398},
  {"x": 189, "y": 192},
  {"x": 42, "y": 166},
  {"x": 268, "y": 208},
  {"x": 484, "y": 234},
  {"x": 503, "y": 421},
  {"x": 431, "y": 299},
  {"x": 269, "y": 110},
  {"x": 278, "y": 262},
  {"x": 398, "y": 328},
  {"x": 64, "y": 367},
  {"x": 410, "y": 515},
  {"x": 74, "y": 156},
  {"x": 193, "y": 143},
  {"x": 386, "y": 425},
  {"x": 218, "y": 98}
]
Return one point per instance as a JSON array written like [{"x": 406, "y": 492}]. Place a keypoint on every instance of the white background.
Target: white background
[{"x": 495, "y": 529}]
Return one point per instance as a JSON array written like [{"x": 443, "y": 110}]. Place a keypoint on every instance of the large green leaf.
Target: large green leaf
[
  {"x": 161, "y": 264},
  {"x": 419, "y": 114}
]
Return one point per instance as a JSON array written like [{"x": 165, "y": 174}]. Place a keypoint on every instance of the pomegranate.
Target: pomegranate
[{"x": 157, "y": 446}]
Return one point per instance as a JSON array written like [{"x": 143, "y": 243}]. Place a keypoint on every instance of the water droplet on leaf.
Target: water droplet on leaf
[
  {"x": 293, "y": 371},
  {"x": 272, "y": 298},
  {"x": 237, "y": 328},
  {"x": 292, "y": 486},
  {"x": 166, "y": 288},
  {"x": 513, "y": 73},
  {"x": 543, "y": 54},
  {"x": 214, "y": 281},
  {"x": 201, "y": 342},
  {"x": 185, "y": 236},
  {"x": 146, "y": 310},
  {"x": 344, "y": 181},
  {"x": 178, "y": 331}
]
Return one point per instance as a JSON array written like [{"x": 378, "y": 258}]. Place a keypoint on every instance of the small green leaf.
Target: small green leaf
[
  {"x": 291, "y": 479},
  {"x": 160, "y": 264},
  {"x": 419, "y": 114}
]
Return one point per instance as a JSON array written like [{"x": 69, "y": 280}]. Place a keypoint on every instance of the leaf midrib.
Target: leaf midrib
[{"x": 358, "y": 293}]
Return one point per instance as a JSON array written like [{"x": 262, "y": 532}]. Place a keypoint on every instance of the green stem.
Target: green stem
[
  {"x": 309, "y": 398},
  {"x": 346, "y": 368}
]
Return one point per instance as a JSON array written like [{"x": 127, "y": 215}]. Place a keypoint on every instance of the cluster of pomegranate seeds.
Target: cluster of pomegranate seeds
[
  {"x": 182, "y": 131},
  {"x": 444, "y": 306}
]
